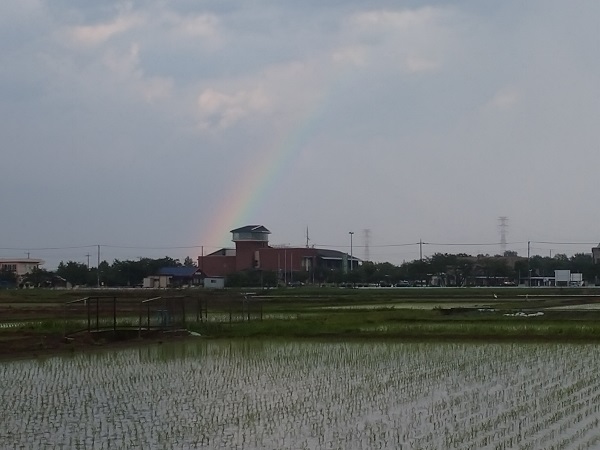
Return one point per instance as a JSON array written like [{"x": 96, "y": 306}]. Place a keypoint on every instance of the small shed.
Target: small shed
[
  {"x": 181, "y": 276},
  {"x": 156, "y": 282},
  {"x": 214, "y": 282}
]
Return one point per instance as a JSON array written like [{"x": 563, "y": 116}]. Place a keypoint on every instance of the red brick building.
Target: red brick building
[{"x": 252, "y": 252}]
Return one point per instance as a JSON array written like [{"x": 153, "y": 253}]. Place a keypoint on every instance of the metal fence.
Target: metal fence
[{"x": 163, "y": 313}]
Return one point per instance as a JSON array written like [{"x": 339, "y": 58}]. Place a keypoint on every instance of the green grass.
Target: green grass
[
  {"x": 410, "y": 330},
  {"x": 307, "y": 293},
  {"x": 412, "y": 324},
  {"x": 374, "y": 312}
]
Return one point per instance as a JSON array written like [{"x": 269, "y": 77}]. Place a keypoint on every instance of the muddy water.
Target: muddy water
[{"x": 306, "y": 394}]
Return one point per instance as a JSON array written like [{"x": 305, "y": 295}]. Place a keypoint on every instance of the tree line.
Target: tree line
[
  {"x": 444, "y": 269},
  {"x": 441, "y": 269},
  {"x": 127, "y": 273}
]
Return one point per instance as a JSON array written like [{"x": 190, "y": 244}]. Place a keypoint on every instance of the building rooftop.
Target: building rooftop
[
  {"x": 223, "y": 252},
  {"x": 22, "y": 260},
  {"x": 251, "y": 229},
  {"x": 185, "y": 271},
  {"x": 334, "y": 254}
]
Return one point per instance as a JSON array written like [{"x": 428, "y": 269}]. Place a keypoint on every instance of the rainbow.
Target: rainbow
[{"x": 237, "y": 207}]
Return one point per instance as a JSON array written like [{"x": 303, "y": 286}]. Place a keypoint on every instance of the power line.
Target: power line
[
  {"x": 565, "y": 243},
  {"x": 47, "y": 248},
  {"x": 71, "y": 247},
  {"x": 154, "y": 248},
  {"x": 471, "y": 243},
  {"x": 371, "y": 246},
  {"x": 367, "y": 245}
]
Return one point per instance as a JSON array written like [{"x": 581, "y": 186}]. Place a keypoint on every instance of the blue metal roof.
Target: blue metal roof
[{"x": 184, "y": 271}]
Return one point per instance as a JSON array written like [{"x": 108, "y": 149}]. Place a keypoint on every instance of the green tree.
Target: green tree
[
  {"x": 269, "y": 278},
  {"x": 417, "y": 270},
  {"x": 367, "y": 271},
  {"x": 584, "y": 264},
  {"x": 189, "y": 262},
  {"x": 465, "y": 265},
  {"x": 39, "y": 277},
  {"x": 7, "y": 277},
  {"x": 74, "y": 272},
  {"x": 251, "y": 278},
  {"x": 105, "y": 275},
  {"x": 441, "y": 262}
]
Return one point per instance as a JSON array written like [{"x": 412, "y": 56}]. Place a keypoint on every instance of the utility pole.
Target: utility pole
[
  {"x": 285, "y": 266},
  {"x": 528, "y": 262},
  {"x": 351, "y": 233},
  {"x": 421, "y": 249},
  {"x": 98, "y": 268},
  {"x": 88, "y": 260}
]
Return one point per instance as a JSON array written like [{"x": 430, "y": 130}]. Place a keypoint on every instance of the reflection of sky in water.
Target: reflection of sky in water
[{"x": 305, "y": 394}]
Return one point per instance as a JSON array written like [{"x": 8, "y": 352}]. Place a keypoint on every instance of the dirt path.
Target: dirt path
[{"x": 20, "y": 344}]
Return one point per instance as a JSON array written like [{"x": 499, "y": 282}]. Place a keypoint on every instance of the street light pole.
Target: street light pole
[{"x": 351, "y": 257}]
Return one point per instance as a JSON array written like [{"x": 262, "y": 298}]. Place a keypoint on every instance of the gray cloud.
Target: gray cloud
[{"x": 127, "y": 122}]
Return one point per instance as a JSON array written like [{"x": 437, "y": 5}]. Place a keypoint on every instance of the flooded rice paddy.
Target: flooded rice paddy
[{"x": 306, "y": 395}]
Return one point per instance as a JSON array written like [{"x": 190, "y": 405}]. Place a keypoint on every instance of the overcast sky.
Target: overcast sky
[{"x": 142, "y": 126}]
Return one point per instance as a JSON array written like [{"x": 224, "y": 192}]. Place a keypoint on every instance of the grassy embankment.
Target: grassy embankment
[
  {"x": 451, "y": 313},
  {"x": 421, "y": 314}
]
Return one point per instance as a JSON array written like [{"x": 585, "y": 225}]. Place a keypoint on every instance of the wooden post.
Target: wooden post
[
  {"x": 65, "y": 321},
  {"x": 165, "y": 315},
  {"x": 88, "y": 315},
  {"x": 140, "y": 324}
]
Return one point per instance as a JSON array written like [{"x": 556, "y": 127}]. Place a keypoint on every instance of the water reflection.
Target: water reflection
[{"x": 306, "y": 394}]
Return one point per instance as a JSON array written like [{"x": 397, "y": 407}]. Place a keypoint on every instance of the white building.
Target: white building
[
  {"x": 157, "y": 282},
  {"x": 20, "y": 266},
  {"x": 214, "y": 282},
  {"x": 566, "y": 278},
  {"x": 596, "y": 254}
]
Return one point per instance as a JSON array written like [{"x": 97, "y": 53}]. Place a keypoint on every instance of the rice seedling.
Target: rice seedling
[{"x": 306, "y": 394}]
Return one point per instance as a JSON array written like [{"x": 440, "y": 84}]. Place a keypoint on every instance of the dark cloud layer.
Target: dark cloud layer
[{"x": 132, "y": 123}]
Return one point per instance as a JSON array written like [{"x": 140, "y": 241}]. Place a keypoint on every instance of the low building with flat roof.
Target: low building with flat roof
[{"x": 20, "y": 266}]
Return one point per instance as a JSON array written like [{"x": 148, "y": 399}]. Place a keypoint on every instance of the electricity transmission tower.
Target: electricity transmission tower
[
  {"x": 367, "y": 237},
  {"x": 503, "y": 226}
]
